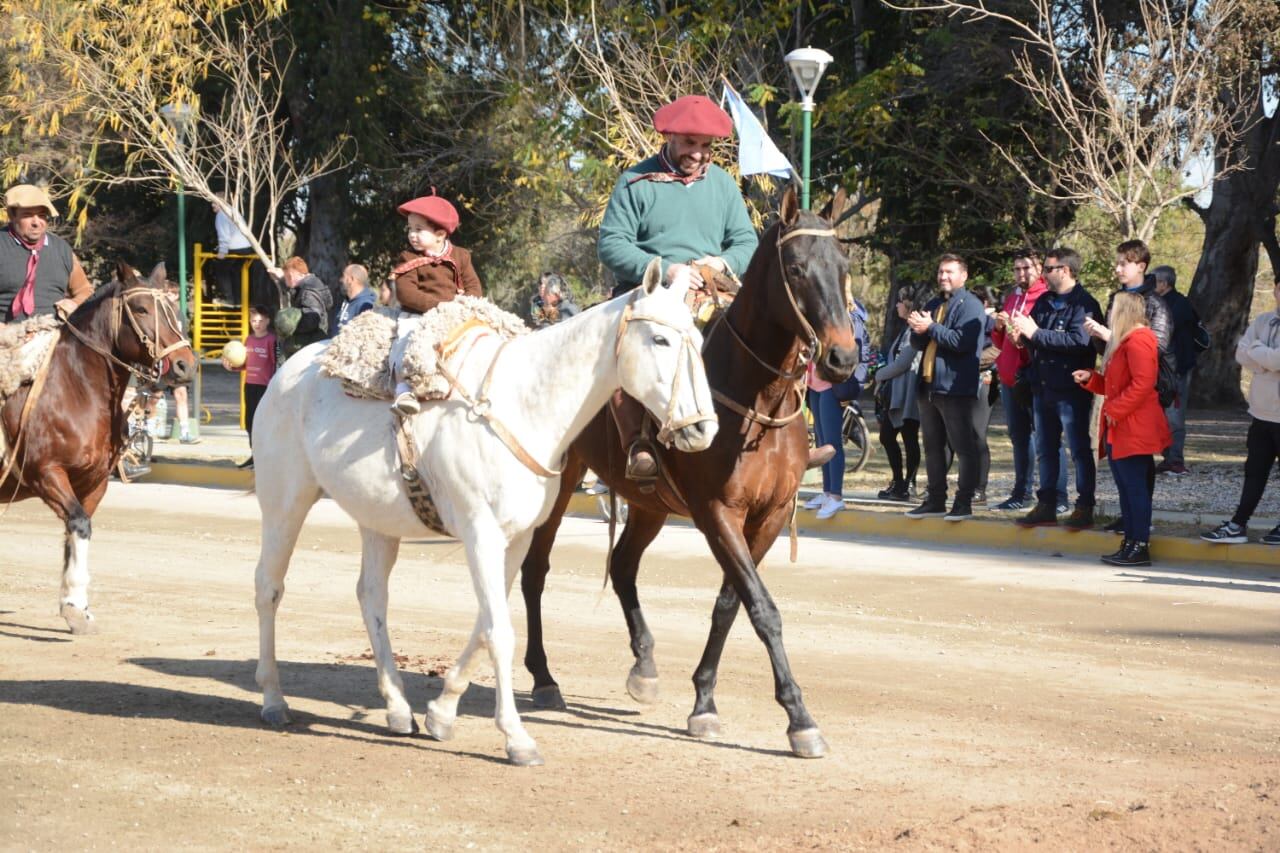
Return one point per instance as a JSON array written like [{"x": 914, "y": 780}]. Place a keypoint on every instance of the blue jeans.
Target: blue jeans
[
  {"x": 1022, "y": 436},
  {"x": 827, "y": 418},
  {"x": 1131, "y": 474},
  {"x": 1176, "y": 415},
  {"x": 1064, "y": 415}
]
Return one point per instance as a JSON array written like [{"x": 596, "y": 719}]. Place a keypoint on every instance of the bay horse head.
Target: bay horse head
[
  {"x": 811, "y": 302},
  {"x": 144, "y": 331},
  {"x": 659, "y": 355}
]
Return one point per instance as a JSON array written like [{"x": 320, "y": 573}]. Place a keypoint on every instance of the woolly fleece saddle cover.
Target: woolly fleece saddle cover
[{"x": 359, "y": 357}]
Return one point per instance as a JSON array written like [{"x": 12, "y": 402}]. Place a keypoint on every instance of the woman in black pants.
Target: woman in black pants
[
  {"x": 988, "y": 391},
  {"x": 896, "y": 407}
]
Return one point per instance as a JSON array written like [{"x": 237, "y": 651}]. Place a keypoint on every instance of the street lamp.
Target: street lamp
[
  {"x": 807, "y": 65},
  {"x": 180, "y": 118}
]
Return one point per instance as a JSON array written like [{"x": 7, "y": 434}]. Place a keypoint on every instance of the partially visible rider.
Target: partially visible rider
[
  {"x": 678, "y": 206},
  {"x": 553, "y": 301},
  {"x": 39, "y": 274}
]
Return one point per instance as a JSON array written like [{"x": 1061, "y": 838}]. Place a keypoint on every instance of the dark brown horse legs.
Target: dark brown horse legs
[
  {"x": 642, "y": 528},
  {"x": 704, "y": 722},
  {"x": 533, "y": 579}
]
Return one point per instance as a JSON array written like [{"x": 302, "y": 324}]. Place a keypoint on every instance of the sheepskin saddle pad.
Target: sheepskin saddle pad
[
  {"x": 23, "y": 347},
  {"x": 359, "y": 357}
]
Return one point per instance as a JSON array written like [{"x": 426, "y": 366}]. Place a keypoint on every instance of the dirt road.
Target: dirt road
[{"x": 971, "y": 700}]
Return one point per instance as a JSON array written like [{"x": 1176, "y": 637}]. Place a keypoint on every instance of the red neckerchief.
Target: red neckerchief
[
  {"x": 24, "y": 304},
  {"x": 670, "y": 175},
  {"x": 425, "y": 260}
]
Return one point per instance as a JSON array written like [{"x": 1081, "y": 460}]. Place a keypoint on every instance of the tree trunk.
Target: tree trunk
[
  {"x": 325, "y": 227},
  {"x": 1235, "y": 224}
]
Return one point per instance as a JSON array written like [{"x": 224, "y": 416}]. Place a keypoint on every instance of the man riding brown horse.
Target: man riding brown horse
[{"x": 39, "y": 274}]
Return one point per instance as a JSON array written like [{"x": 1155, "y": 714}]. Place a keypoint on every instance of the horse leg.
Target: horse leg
[
  {"x": 738, "y": 560},
  {"x": 378, "y": 556},
  {"x": 73, "y": 601},
  {"x": 642, "y": 527},
  {"x": 533, "y": 580},
  {"x": 284, "y": 508}
]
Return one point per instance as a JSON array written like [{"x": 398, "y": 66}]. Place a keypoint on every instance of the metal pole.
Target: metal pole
[
  {"x": 807, "y": 106},
  {"x": 182, "y": 248}
]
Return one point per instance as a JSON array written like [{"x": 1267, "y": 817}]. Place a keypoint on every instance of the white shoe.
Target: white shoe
[
  {"x": 406, "y": 404},
  {"x": 816, "y": 501},
  {"x": 830, "y": 506}
]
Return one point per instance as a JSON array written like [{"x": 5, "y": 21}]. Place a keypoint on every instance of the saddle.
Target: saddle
[{"x": 25, "y": 347}]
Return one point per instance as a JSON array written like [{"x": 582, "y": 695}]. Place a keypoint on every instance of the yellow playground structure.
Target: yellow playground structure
[{"x": 214, "y": 323}]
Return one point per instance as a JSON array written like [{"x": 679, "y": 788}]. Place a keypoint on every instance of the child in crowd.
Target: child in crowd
[
  {"x": 1132, "y": 427},
  {"x": 1259, "y": 351},
  {"x": 259, "y": 366},
  {"x": 434, "y": 270}
]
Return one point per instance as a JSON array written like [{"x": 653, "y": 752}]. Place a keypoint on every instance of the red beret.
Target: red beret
[
  {"x": 434, "y": 209},
  {"x": 693, "y": 114}
]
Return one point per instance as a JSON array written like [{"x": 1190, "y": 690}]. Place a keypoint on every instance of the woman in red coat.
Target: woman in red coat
[{"x": 1133, "y": 426}]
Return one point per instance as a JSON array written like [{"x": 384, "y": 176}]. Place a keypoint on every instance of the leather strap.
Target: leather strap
[
  {"x": 752, "y": 415},
  {"x": 419, "y": 498}
]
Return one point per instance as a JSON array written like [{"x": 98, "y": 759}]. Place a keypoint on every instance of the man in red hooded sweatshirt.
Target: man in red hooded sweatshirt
[{"x": 1028, "y": 286}]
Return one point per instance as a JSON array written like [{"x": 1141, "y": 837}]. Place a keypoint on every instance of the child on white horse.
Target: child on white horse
[{"x": 433, "y": 271}]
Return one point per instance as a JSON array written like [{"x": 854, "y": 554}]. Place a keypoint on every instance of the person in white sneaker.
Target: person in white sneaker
[{"x": 1259, "y": 351}]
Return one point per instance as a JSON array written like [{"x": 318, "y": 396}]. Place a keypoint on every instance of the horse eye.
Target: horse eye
[
  {"x": 795, "y": 271},
  {"x": 659, "y": 340}
]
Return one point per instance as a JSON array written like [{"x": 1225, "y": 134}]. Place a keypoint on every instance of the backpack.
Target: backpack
[{"x": 1166, "y": 379}]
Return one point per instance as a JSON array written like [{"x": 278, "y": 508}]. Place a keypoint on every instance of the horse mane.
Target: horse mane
[{"x": 88, "y": 316}]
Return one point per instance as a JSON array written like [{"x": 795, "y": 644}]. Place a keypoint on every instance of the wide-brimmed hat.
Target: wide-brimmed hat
[
  {"x": 696, "y": 115},
  {"x": 434, "y": 209},
  {"x": 28, "y": 195}
]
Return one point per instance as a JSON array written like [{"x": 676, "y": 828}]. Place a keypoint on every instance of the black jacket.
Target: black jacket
[
  {"x": 313, "y": 297},
  {"x": 959, "y": 337},
  {"x": 1184, "y": 330},
  {"x": 1159, "y": 320},
  {"x": 1061, "y": 345}
]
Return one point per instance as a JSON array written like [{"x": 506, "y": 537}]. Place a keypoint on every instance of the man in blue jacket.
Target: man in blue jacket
[
  {"x": 1058, "y": 339},
  {"x": 949, "y": 333}
]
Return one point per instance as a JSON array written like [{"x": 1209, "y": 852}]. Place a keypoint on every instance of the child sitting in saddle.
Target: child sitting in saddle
[{"x": 434, "y": 271}]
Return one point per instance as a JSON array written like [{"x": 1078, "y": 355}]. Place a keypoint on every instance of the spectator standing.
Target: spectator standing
[
  {"x": 1183, "y": 344},
  {"x": 988, "y": 388},
  {"x": 39, "y": 274},
  {"x": 1259, "y": 351},
  {"x": 827, "y": 416},
  {"x": 231, "y": 241},
  {"x": 259, "y": 366},
  {"x": 1055, "y": 335},
  {"x": 553, "y": 301},
  {"x": 358, "y": 297},
  {"x": 307, "y": 321},
  {"x": 1015, "y": 385},
  {"x": 896, "y": 407},
  {"x": 949, "y": 332},
  {"x": 1132, "y": 427}
]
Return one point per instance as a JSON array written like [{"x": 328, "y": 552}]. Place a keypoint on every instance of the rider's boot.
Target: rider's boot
[
  {"x": 819, "y": 456},
  {"x": 406, "y": 402},
  {"x": 642, "y": 462}
]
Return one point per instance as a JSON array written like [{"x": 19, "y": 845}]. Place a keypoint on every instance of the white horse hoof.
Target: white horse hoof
[
  {"x": 642, "y": 688},
  {"x": 548, "y": 698},
  {"x": 704, "y": 726},
  {"x": 80, "y": 621},
  {"x": 437, "y": 728},
  {"x": 401, "y": 722},
  {"x": 276, "y": 715},
  {"x": 528, "y": 757},
  {"x": 807, "y": 743}
]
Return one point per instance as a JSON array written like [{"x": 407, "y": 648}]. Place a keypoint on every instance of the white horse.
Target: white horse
[{"x": 310, "y": 437}]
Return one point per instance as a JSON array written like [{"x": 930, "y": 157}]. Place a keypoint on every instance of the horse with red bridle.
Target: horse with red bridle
[
  {"x": 65, "y": 430},
  {"x": 790, "y": 310}
]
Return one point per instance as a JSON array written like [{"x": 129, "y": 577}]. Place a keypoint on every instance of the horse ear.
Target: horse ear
[
  {"x": 836, "y": 206},
  {"x": 789, "y": 210},
  {"x": 652, "y": 275},
  {"x": 124, "y": 273},
  {"x": 157, "y": 277}
]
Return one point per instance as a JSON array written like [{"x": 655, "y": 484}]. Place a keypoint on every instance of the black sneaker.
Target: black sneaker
[
  {"x": 929, "y": 509},
  {"x": 897, "y": 491},
  {"x": 1136, "y": 554},
  {"x": 1124, "y": 546},
  {"x": 1273, "y": 537},
  {"x": 1041, "y": 515},
  {"x": 1081, "y": 518},
  {"x": 979, "y": 498},
  {"x": 1228, "y": 533},
  {"x": 1116, "y": 526},
  {"x": 960, "y": 510},
  {"x": 1010, "y": 505}
]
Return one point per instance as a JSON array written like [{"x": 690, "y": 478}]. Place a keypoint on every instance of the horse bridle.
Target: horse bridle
[
  {"x": 815, "y": 345},
  {"x": 161, "y": 307}
]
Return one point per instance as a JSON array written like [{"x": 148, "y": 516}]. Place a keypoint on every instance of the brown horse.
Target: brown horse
[
  {"x": 740, "y": 491},
  {"x": 68, "y": 440}
]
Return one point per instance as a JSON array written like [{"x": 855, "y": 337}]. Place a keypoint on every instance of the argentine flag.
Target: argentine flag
[{"x": 756, "y": 152}]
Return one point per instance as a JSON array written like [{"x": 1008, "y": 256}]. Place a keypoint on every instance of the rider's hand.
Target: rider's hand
[
  {"x": 716, "y": 263},
  {"x": 65, "y": 307}
]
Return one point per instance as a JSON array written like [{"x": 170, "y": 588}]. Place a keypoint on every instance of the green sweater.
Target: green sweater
[{"x": 674, "y": 221}]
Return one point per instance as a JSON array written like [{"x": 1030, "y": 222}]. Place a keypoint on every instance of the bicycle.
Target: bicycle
[
  {"x": 857, "y": 440},
  {"x": 139, "y": 444}
]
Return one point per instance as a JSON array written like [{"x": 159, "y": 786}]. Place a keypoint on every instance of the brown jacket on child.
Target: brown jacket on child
[{"x": 423, "y": 282}]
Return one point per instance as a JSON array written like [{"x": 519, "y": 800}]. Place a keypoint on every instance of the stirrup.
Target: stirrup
[
  {"x": 406, "y": 404},
  {"x": 643, "y": 476}
]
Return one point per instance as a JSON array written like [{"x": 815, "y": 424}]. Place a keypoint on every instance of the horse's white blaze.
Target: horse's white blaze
[
  {"x": 75, "y": 574},
  {"x": 309, "y": 436}
]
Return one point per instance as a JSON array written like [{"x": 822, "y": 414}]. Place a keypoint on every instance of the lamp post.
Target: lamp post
[
  {"x": 180, "y": 117},
  {"x": 807, "y": 65}
]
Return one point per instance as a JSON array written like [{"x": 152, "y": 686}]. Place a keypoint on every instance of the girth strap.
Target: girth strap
[{"x": 419, "y": 497}]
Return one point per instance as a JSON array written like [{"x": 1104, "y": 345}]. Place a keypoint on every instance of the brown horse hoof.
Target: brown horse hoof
[
  {"x": 807, "y": 743},
  {"x": 401, "y": 723},
  {"x": 704, "y": 726},
  {"x": 642, "y": 688},
  {"x": 439, "y": 729},
  {"x": 548, "y": 698},
  {"x": 525, "y": 757},
  {"x": 79, "y": 621}
]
